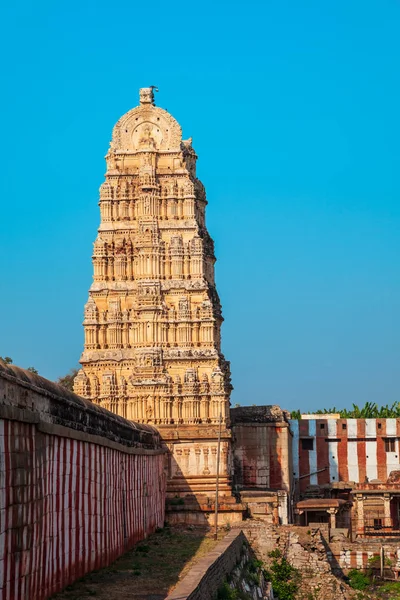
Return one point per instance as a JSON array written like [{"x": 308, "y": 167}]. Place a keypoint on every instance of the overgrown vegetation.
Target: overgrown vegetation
[
  {"x": 6, "y": 359},
  {"x": 358, "y": 580},
  {"x": 250, "y": 574},
  {"x": 391, "y": 590},
  {"x": 151, "y": 568},
  {"x": 285, "y": 579},
  {"x": 9, "y": 361},
  {"x": 369, "y": 586},
  {"x": 225, "y": 592},
  {"x": 68, "y": 380},
  {"x": 369, "y": 411}
]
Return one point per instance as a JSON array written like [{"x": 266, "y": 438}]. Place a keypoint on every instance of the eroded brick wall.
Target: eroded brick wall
[
  {"x": 262, "y": 448},
  {"x": 78, "y": 486}
]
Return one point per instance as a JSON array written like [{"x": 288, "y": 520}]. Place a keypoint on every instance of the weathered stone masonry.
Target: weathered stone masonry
[
  {"x": 78, "y": 485},
  {"x": 353, "y": 464},
  {"x": 262, "y": 461},
  {"x": 228, "y": 559},
  {"x": 152, "y": 322}
]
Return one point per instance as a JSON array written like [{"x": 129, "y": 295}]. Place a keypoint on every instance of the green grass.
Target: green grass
[
  {"x": 152, "y": 567},
  {"x": 391, "y": 589}
]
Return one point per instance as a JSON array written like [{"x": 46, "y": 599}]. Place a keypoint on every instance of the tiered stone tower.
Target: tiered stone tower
[{"x": 152, "y": 322}]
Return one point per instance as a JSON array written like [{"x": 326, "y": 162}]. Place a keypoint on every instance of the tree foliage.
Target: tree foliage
[
  {"x": 295, "y": 414},
  {"x": 370, "y": 410},
  {"x": 7, "y": 360},
  {"x": 68, "y": 380}
]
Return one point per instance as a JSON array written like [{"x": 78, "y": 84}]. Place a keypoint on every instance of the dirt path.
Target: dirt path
[{"x": 147, "y": 572}]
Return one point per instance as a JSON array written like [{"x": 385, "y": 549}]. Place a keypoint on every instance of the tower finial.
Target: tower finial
[{"x": 147, "y": 95}]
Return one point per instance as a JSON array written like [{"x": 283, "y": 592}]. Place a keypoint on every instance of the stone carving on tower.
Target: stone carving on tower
[{"x": 152, "y": 350}]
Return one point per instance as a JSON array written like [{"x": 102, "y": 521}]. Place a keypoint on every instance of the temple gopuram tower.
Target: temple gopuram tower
[{"x": 152, "y": 322}]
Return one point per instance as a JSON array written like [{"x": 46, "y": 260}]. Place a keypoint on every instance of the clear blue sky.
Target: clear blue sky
[{"x": 294, "y": 112}]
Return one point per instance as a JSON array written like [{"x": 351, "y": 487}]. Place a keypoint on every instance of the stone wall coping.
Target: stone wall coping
[
  {"x": 269, "y": 413},
  {"x": 190, "y": 583},
  {"x": 47, "y": 402},
  {"x": 13, "y": 413},
  {"x": 379, "y": 488},
  {"x": 264, "y": 424},
  {"x": 37, "y": 383}
]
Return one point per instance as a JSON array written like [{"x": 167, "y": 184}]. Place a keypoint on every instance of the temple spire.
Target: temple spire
[{"x": 152, "y": 349}]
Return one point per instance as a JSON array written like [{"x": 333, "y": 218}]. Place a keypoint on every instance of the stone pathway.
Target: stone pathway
[{"x": 147, "y": 572}]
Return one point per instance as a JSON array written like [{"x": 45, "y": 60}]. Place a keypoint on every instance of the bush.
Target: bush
[
  {"x": 254, "y": 565},
  {"x": 358, "y": 580},
  {"x": 285, "y": 579},
  {"x": 225, "y": 592}
]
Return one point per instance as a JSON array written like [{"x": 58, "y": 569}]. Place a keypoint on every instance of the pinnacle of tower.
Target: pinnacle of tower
[{"x": 146, "y": 95}]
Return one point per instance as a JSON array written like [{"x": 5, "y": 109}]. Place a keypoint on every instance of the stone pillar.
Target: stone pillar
[
  {"x": 387, "y": 513},
  {"x": 332, "y": 517},
  {"x": 360, "y": 514}
]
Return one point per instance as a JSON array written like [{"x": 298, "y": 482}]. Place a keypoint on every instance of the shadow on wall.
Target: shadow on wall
[
  {"x": 79, "y": 485},
  {"x": 153, "y": 566},
  {"x": 197, "y": 508},
  {"x": 334, "y": 564},
  {"x": 149, "y": 570},
  {"x": 191, "y": 475}
]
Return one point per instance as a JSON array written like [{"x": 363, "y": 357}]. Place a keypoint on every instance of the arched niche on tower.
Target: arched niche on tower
[{"x": 146, "y": 128}]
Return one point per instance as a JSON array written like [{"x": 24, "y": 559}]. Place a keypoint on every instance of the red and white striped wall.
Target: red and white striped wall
[
  {"x": 68, "y": 507},
  {"x": 358, "y": 559},
  {"x": 344, "y": 450}
]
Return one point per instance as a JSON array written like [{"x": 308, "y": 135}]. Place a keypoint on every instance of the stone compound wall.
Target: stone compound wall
[
  {"x": 305, "y": 549},
  {"x": 229, "y": 558},
  {"x": 321, "y": 558},
  {"x": 78, "y": 485},
  {"x": 346, "y": 555},
  {"x": 262, "y": 461},
  {"x": 262, "y": 447}
]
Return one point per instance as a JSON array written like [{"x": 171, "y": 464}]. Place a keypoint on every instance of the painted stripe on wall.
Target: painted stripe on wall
[
  {"x": 54, "y": 494},
  {"x": 371, "y": 449},
  {"x": 312, "y": 454},
  {"x": 352, "y": 450},
  {"x": 360, "y": 453},
  {"x": 333, "y": 451},
  {"x": 294, "y": 425},
  {"x": 392, "y": 458},
  {"x": 370, "y": 428}
]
